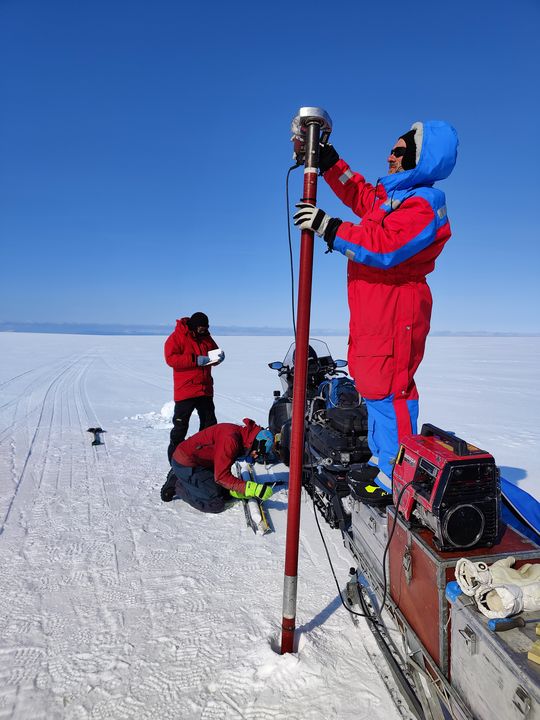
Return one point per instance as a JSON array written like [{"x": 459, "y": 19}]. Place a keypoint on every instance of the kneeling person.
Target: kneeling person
[{"x": 201, "y": 466}]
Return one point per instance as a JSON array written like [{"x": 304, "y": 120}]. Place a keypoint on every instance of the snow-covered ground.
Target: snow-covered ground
[{"x": 114, "y": 605}]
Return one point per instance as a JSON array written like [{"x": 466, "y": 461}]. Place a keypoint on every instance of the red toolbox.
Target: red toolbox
[{"x": 418, "y": 574}]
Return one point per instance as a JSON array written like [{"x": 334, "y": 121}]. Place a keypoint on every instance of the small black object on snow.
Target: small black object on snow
[{"x": 97, "y": 435}]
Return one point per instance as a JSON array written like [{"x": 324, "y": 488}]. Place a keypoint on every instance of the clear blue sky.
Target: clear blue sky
[{"x": 144, "y": 146}]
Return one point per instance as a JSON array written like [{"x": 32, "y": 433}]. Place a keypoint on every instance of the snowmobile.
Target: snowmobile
[
  {"x": 335, "y": 432},
  {"x": 444, "y": 657}
]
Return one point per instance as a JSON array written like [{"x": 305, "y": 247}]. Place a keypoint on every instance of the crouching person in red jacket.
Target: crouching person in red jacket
[
  {"x": 191, "y": 352},
  {"x": 201, "y": 466}
]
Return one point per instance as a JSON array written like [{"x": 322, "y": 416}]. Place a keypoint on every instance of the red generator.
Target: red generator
[{"x": 450, "y": 487}]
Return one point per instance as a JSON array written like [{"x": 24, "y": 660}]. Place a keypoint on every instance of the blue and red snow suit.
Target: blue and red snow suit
[{"x": 403, "y": 229}]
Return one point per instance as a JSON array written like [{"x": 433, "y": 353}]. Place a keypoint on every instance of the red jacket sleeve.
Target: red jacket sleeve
[
  {"x": 352, "y": 188},
  {"x": 226, "y": 450},
  {"x": 385, "y": 244},
  {"x": 177, "y": 356}
]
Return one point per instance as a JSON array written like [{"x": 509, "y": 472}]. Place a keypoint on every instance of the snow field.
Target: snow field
[{"x": 117, "y": 606}]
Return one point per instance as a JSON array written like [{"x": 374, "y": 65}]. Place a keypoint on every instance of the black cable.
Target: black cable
[
  {"x": 385, "y": 581},
  {"x": 293, "y": 167},
  {"x": 369, "y": 616},
  {"x": 353, "y": 612}
]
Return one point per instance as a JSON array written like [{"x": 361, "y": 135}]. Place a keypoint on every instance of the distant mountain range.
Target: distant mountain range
[{"x": 120, "y": 329}]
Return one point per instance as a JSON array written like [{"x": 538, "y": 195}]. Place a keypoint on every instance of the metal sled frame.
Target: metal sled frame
[{"x": 414, "y": 671}]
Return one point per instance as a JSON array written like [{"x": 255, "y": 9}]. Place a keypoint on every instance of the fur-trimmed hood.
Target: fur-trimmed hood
[{"x": 436, "y": 153}]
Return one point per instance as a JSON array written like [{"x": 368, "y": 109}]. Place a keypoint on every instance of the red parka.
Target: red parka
[
  {"x": 403, "y": 229},
  {"x": 182, "y": 348},
  {"x": 217, "y": 447}
]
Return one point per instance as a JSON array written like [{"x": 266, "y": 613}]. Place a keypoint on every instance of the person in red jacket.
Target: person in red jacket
[
  {"x": 191, "y": 352},
  {"x": 201, "y": 466},
  {"x": 403, "y": 228}
]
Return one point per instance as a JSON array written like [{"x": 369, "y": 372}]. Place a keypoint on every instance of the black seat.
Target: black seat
[{"x": 348, "y": 421}]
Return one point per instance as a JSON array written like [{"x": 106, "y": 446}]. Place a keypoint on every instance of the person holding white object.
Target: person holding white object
[{"x": 192, "y": 352}]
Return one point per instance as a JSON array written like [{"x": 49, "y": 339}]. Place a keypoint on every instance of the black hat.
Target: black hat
[
  {"x": 198, "y": 319},
  {"x": 409, "y": 159}
]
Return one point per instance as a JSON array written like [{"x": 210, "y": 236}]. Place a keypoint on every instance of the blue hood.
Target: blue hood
[{"x": 436, "y": 152}]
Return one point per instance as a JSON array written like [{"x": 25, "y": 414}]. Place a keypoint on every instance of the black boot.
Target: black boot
[
  {"x": 362, "y": 482},
  {"x": 168, "y": 490}
]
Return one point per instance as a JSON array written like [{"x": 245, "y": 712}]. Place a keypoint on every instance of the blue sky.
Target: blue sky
[{"x": 144, "y": 147}]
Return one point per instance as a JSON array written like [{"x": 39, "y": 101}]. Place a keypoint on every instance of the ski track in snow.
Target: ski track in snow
[{"x": 117, "y": 606}]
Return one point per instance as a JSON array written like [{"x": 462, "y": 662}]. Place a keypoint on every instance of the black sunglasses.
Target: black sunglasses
[{"x": 398, "y": 151}]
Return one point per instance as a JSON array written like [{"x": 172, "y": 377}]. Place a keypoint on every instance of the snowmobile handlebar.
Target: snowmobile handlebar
[{"x": 330, "y": 367}]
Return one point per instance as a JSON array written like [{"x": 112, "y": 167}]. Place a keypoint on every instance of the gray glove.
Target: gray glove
[{"x": 202, "y": 360}]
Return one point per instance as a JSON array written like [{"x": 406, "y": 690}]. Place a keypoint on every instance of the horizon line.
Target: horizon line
[{"x": 132, "y": 329}]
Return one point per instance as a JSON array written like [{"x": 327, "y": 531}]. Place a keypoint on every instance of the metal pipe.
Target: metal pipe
[{"x": 311, "y": 163}]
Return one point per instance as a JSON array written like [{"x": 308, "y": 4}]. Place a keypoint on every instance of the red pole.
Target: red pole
[{"x": 313, "y": 127}]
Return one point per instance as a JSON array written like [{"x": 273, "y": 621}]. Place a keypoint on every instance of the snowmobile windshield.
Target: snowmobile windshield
[
  {"x": 320, "y": 362},
  {"x": 318, "y": 354}
]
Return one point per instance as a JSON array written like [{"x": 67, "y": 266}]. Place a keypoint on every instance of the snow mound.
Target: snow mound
[
  {"x": 167, "y": 411},
  {"x": 160, "y": 419}
]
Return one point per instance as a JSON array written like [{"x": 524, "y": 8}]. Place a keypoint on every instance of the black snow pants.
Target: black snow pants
[
  {"x": 197, "y": 487},
  {"x": 182, "y": 412}
]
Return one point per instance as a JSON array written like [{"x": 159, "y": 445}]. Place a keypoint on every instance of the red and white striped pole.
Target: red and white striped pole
[{"x": 310, "y": 122}]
